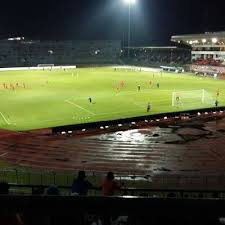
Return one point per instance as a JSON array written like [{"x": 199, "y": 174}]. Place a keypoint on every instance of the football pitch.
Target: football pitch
[{"x": 41, "y": 99}]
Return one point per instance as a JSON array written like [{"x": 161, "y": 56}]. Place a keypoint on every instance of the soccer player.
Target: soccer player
[
  {"x": 150, "y": 82},
  {"x": 157, "y": 85},
  {"x": 139, "y": 87},
  {"x": 122, "y": 83},
  {"x": 218, "y": 93},
  {"x": 216, "y": 103},
  {"x": 117, "y": 89},
  {"x": 90, "y": 99},
  {"x": 177, "y": 100},
  {"x": 148, "y": 107}
]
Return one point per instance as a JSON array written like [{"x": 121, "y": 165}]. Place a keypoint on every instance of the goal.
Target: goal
[{"x": 193, "y": 98}]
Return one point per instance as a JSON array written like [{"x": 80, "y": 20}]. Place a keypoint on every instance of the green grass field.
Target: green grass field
[{"x": 55, "y": 98}]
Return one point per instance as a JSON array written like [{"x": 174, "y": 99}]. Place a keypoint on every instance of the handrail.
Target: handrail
[{"x": 132, "y": 191}]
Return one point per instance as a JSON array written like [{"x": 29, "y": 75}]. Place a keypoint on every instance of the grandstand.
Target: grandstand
[
  {"x": 158, "y": 56},
  {"x": 162, "y": 155},
  {"x": 208, "y": 51},
  {"x": 22, "y": 52}
]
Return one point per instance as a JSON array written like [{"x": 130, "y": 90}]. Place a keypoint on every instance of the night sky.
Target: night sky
[{"x": 153, "y": 21}]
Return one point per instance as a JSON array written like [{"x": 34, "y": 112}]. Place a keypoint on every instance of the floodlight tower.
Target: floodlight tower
[{"x": 130, "y": 4}]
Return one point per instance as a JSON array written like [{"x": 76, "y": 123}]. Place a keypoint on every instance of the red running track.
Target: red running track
[{"x": 186, "y": 150}]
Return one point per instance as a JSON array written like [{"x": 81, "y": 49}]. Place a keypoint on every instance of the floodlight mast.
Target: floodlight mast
[{"x": 130, "y": 3}]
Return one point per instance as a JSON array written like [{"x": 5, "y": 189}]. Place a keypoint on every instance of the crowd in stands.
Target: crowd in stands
[
  {"x": 208, "y": 62},
  {"x": 31, "y": 53},
  {"x": 80, "y": 187},
  {"x": 161, "y": 56}
]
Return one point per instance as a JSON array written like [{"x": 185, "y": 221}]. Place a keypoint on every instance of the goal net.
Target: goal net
[{"x": 193, "y": 98}]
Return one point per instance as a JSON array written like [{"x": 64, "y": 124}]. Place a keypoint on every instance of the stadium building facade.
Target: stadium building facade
[
  {"x": 208, "y": 51},
  {"x": 21, "y": 52}
]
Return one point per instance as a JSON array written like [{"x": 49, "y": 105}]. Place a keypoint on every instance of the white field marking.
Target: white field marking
[
  {"x": 4, "y": 154},
  {"x": 4, "y": 118},
  {"x": 139, "y": 105},
  {"x": 78, "y": 106},
  {"x": 118, "y": 94}
]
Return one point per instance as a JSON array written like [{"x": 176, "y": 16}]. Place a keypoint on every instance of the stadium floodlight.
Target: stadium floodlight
[
  {"x": 130, "y": 3},
  {"x": 203, "y": 41},
  {"x": 214, "y": 40}
]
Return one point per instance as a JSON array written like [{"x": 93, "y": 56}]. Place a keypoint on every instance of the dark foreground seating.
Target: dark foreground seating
[{"x": 53, "y": 210}]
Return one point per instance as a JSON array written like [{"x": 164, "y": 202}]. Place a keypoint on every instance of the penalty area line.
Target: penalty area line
[
  {"x": 4, "y": 118},
  {"x": 139, "y": 105},
  {"x": 78, "y": 106}
]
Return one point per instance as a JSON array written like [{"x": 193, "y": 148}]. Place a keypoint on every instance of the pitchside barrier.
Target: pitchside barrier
[
  {"x": 37, "y": 68},
  {"x": 145, "y": 182}
]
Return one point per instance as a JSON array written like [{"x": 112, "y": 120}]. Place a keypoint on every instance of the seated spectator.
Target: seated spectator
[
  {"x": 81, "y": 186},
  {"x": 52, "y": 190},
  {"x": 4, "y": 188},
  {"x": 8, "y": 219},
  {"x": 109, "y": 185}
]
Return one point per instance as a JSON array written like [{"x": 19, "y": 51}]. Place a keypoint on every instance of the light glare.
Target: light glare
[
  {"x": 214, "y": 40},
  {"x": 203, "y": 40},
  {"x": 131, "y": 2}
]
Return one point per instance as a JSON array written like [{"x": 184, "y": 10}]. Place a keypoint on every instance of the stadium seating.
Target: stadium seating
[
  {"x": 54, "y": 210},
  {"x": 158, "y": 56},
  {"x": 32, "y": 53},
  {"x": 209, "y": 62}
]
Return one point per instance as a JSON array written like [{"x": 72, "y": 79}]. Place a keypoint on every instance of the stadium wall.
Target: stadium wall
[
  {"x": 37, "y": 68},
  {"x": 208, "y": 69}
]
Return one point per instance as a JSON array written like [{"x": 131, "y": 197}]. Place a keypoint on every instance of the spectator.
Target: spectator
[
  {"x": 8, "y": 218},
  {"x": 52, "y": 190},
  {"x": 109, "y": 185},
  {"x": 81, "y": 186},
  {"x": 4, "y": 188}
]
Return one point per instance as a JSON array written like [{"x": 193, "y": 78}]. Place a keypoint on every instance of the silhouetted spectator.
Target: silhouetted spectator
[
  {"x": 8, "y": 218},
  {"x": 52, "y": 190},
  {"x": 109, "y": 185},
  {"x": 4, "y": 188},
  {"x": 81, "y": 186}
]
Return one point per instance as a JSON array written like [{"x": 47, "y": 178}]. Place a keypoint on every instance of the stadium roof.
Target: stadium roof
[
  {"x": 150, "y": 47},
  {"x": 153, "y": 47},
  {"x": 215, "y": 37}
]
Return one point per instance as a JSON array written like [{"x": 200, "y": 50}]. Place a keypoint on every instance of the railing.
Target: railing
[
  {"x": 23, "y": 177},
  {"x": 127, "y": 191}
]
